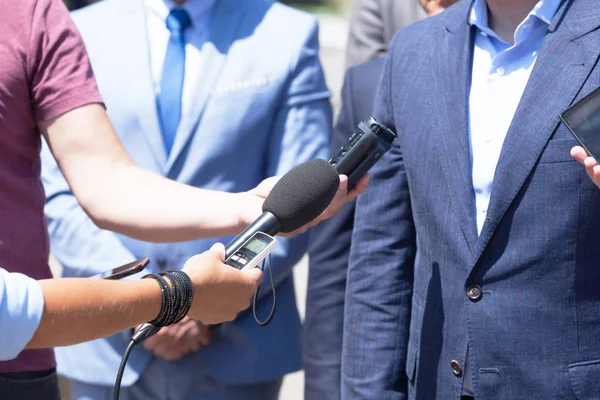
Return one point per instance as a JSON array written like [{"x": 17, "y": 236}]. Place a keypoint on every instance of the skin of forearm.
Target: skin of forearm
[
  {"x": 77, "y": 310},
  {"x": 124, "y": 198},
  {"x": 142, "y": 205}
]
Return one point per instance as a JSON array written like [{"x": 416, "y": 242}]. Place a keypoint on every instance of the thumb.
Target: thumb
[{"x": 219, "y": 248}]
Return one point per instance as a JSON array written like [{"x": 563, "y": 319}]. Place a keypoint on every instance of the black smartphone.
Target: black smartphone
[
  {"x": 124, "y": 270},
  {"x": 583, "y": 121}
]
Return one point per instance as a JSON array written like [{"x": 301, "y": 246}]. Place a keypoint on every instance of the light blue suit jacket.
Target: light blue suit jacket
[
  {"x": 263, "y": 108},
  {"x": 534, "y": 333}
]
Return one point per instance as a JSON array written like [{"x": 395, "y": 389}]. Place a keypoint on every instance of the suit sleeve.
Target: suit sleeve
[
  {"x": 301, "y": 132},
  {"x": 366, "y": 37},
  {"x": 81, "y": 247},
  {"x": 329, "y": 249},
  {"x": 380, "y": 274}
]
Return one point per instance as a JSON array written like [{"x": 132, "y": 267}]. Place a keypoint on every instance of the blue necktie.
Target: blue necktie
[{"x": 171, "y": 84}]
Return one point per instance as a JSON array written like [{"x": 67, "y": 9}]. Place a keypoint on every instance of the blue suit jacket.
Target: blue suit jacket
[
  {"x": 263, "y": 108},
  {"x": 329, "y": 248},
  {"x": 535, "y": 332}
]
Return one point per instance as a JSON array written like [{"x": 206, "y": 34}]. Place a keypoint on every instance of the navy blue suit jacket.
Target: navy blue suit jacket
[
  {"x": 535, "y": 331},
  {"x": 329, "y": 248}
]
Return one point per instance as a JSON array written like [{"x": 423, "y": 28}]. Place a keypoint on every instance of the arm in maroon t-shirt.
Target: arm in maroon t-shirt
[{"x": 113, "y": 191}]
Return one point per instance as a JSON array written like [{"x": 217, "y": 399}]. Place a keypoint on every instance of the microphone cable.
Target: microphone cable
[
  {"x": 117, "y": 389},
  {"x": 148, "y": 330},
  {"x": 274, "y": 306}
]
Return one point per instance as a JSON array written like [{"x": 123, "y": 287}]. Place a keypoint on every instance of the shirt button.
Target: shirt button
[
  {"x": 500, "y": 71},
  {"x": 456, "y": 368},
  {"x": 474, "y": 293}
]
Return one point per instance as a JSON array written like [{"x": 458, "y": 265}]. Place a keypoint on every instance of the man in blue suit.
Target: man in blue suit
[
  {"x": 474, "y": 261},
  {"x": 218, "y": 95}
]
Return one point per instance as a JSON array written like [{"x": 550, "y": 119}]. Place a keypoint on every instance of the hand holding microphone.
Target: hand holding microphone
[
  {"x": 220, "y": 292},
  {"x": 254, "y": 199}
]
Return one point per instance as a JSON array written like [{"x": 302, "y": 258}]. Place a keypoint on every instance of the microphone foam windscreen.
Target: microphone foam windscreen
[{"x": 302, "y": 194}]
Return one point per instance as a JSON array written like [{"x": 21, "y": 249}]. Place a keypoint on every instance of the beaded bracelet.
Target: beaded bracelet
[{"x": 177, "y": 297}]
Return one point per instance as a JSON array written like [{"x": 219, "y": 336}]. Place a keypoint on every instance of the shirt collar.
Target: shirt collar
[
  {"x": 544, "y": 10},
  {"x": 197, "y": 9}
]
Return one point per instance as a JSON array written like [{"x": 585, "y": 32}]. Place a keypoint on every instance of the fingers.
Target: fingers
[
  {"x": 596, "y": 175},
  {"x": 579, "y": 154},
  {"x": 179, "y": 340},
  {"x": 254, "y": 276},
  {"x": 360, "y": 187},
  {"x": 264, "y": 188},
  {"x": 219, "y": 248},
  {"x": 173, "y": 352},
  {"x": 590, "y": 164}
]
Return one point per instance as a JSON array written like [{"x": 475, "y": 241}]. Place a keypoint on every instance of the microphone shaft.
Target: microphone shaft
[{"x": 266, "y": 223}]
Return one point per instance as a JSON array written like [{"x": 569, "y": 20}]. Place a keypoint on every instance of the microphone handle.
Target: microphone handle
[{"x": 266, "y": 223}]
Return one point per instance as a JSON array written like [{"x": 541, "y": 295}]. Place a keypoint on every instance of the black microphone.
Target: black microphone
[{"x": 297, "y": 198}]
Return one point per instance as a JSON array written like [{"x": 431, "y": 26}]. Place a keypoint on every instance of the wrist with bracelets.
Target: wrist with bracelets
[{"x": 177, "y": 293}]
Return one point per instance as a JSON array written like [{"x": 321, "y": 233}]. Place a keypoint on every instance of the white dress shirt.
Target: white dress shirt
[{"x": 195, "y": 36}]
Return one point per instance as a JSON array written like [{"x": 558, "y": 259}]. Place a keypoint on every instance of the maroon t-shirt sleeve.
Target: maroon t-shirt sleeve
[{"x": 58, "y": 65}]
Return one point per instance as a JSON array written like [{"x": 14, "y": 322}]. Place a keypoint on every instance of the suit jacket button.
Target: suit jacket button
[
  {"x": 474, "y": 293},
  {"x": 456, "y": 368}
]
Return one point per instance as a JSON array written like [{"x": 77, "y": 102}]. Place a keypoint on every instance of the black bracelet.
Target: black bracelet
[
  {"x": 189, "y": 288},
  {"x": 186, "y": 292},
  {"x": 177, "y": 297},
  {"x": 178, "y": 294},
  {"x": 167, "y": 301}
]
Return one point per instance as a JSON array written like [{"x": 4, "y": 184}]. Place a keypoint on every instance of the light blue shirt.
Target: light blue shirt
[
  {"x": 499, "y": 76},
  {"x": 21, "y": 308}
]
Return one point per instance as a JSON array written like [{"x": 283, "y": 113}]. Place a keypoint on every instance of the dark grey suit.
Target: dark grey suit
[
  {"x": 328, "y": 253},
  {"x": 373, "y": 24}
]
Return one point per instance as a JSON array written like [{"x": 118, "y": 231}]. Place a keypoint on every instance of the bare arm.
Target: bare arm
[
  {"x": 122, "y": 197},
  {"x": 78, "y": 310}
]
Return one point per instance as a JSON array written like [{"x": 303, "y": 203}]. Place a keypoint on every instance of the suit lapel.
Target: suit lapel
[
  {"x": 223, "y": 26},
  {"x": 454, "y": 60},
  {"x": 140, "y": 79},
  {"x": 566, "y": 58}
]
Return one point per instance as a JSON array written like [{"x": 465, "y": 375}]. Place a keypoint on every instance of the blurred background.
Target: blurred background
[{"x": 333, "y": 30}]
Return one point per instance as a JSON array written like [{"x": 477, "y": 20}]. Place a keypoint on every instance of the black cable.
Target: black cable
[
  {"x": 177, "y": 299},
  {"x": 122, "y": 369},
  {"x": 274, "y": 307}
]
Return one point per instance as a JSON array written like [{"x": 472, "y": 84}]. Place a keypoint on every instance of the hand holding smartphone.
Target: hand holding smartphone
[{"x": 583, "y": 121}]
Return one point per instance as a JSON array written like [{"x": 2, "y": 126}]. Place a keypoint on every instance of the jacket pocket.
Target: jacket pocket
[
  {"x": 585, "y": 379},
  {"x": 558, "y": 151}
]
